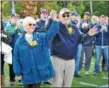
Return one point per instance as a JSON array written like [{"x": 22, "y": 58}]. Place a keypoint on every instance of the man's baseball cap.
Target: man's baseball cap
[
  {"x": 15, "y": 15},
  {"x": 64, "y": 10},
  {"x": 87, "y": 13},
  {"x": 43, "y": 11},
  {"x": 74, "y": 14}
]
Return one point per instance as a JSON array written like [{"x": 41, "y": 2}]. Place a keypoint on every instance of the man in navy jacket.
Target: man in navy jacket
[
  {"x": 64, "y": 49},
  {"x": 40, "y": 23},
  {"x": 101, "y": 45}
]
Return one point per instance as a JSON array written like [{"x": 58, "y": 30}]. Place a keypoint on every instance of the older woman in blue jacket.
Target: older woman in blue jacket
[{"x": 31, "y": 55}]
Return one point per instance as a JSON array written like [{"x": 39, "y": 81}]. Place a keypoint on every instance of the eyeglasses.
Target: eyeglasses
[
  {"x": 31, "y": 24},
  {"x": 65, "y": 15}
]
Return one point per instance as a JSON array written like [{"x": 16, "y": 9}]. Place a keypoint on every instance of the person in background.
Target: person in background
[
  {"x": 101, "y": 45},
  {"x": 32, "y": 63},
  {"x": 40, "y": 23},
  {"x": 103, "y": 61},
  {"x": 87, "y": 46},
  {"x": 41, "y": 28},
  {"x": 14, "y": 29},
  {"x": 75, "y": 21},
  {"x": 94, "y": 20},
  {"x": 94, "y": 23},
  {"x": 6, "y": 38}
]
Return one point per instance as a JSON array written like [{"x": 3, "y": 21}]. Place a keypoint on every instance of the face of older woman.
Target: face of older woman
[
  {"x": 29, "y": 24},
  {"x": 30, "y": 27}
]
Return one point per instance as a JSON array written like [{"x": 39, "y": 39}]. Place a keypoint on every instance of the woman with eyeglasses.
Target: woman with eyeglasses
[{"x": 32, "y": 63}]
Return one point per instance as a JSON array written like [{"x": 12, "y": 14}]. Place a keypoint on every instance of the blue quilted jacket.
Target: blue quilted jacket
[{"x": 33, "y": 63}]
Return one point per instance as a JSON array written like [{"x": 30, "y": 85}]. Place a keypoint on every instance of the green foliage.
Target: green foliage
[
  {"x": 99, "y": 7},
  {"x": 19, "y": 8},
  {"x": 52, "y": 5},
  {"x": 71, "y": 7},
  {"x": 63, "y": 3},
  {"x": 80, "y": 8},
  {"x": 76, "y": 6},
  {"x": 6, "y": 9}
]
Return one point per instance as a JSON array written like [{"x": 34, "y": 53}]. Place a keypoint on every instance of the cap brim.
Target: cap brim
[{"x": 64, "y": 13}]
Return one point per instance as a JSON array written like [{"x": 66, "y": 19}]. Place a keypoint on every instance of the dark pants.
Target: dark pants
[
  {"x": 103, "y": 62},
  {"x": 88, "y": 55},
  {"x": 2, "y": 64},
  {"x": 32, "y": 86},
  {"x": 11, "y": 73}
]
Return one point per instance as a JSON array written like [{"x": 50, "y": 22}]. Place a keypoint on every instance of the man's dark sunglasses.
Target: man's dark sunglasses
[{"x": 65, "y": 15}]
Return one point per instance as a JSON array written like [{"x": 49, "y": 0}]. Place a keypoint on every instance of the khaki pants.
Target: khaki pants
[{"x": 64, "y": 72}]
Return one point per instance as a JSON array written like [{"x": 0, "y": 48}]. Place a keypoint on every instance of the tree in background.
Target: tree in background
[
  {"x": 76, "y": 6},
  {"x": 6, "y": 9},
  {"x": 99, "y": 7},
  {"x": 29, "y": 8}
]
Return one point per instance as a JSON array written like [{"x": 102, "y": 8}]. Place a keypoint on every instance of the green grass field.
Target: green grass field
[{"x": 100, "y": 80}]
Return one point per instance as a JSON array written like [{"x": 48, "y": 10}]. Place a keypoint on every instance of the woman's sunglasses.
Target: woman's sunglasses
[{"x": 30, "y": 24}]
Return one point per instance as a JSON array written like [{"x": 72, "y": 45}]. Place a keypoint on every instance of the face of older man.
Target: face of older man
[
  {"x": 65, "y": 18},
  {"x": 86, "y": 17},
  {"x": 103, "y": 20},
  {"x": 14, "y": 19},
  {"x": 44, "y": 16}
]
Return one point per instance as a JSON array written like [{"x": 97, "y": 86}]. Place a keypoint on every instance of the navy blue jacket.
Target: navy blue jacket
[
  {"x": 40, "y": 24},
  {"x": 65, "y": 45},
  {"x": 84, "y": 31},
  {"x": 102, "y": 38}
]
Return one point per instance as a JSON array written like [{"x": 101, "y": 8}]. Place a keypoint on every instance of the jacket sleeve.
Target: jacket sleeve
[
  {"x": 48, "y": 24},
  {"x": 107, "y": 33},
  {"x": 16, "y": 62},
  {"x": 10, "y": 30},
  {"x": 6, "y": 38},
  {"x": 85, "y": 37},
  {"x": 53, "y": 30}
]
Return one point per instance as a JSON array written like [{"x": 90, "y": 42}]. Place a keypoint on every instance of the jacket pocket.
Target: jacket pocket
[
  {"x": 44, "y": 72},
  {"x": 59, "y": 43},
  {"x": 27, "y": 74},
  {"x": 26, "y": 71}
]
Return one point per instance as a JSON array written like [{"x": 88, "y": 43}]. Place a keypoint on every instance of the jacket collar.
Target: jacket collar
[
  {"x": 23, "y": 40},
  {"x": 63, "y": 29}
]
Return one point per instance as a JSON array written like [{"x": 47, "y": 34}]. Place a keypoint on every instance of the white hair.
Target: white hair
[
  {"x": 27, "y": 20},
  {"x": 94, "y": 18}
]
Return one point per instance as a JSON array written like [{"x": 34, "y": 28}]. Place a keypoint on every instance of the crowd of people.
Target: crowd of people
[{"x": 54, "y": 48}]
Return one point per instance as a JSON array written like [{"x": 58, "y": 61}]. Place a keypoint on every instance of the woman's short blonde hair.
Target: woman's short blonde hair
[
  {"x": 27, "y": 20},
  {"x": 95, "y": 18}
]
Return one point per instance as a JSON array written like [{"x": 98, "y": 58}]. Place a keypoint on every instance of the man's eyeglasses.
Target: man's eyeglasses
[
  {"x": 31, "y": 24},
  {"x": 65, "y": 15}
]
